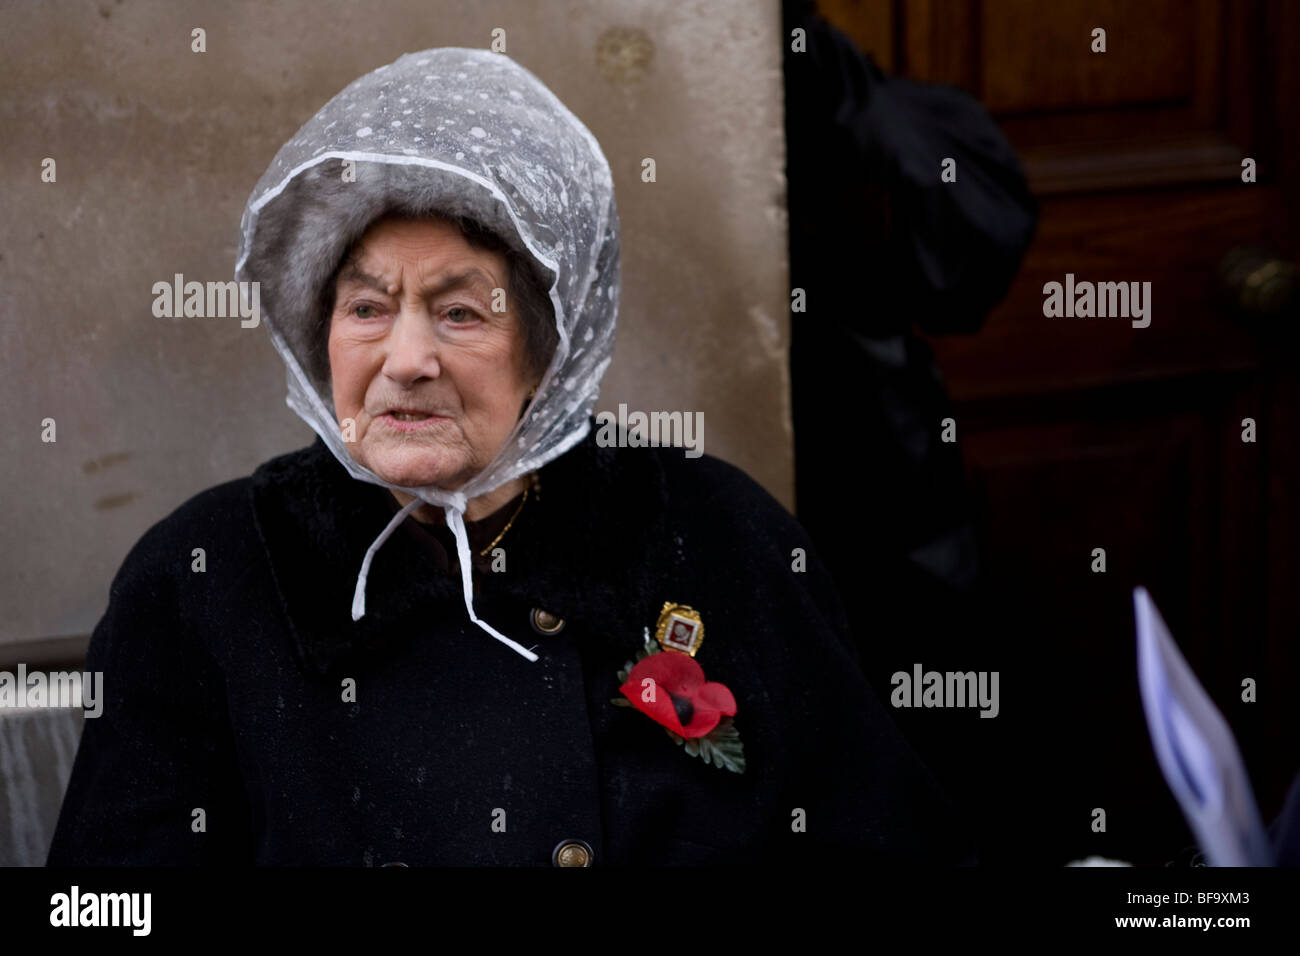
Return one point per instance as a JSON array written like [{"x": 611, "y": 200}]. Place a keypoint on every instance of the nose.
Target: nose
[{"x": 412, "y": 347}]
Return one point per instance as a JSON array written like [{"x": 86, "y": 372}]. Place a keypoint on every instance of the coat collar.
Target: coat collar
[{"x": 591, "y": 548}]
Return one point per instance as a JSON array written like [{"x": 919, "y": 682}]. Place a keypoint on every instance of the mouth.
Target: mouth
[{"x": 407, "y": 419}]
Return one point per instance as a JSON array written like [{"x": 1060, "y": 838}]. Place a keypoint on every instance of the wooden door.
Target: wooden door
[{"x": 1095, "y": 433}]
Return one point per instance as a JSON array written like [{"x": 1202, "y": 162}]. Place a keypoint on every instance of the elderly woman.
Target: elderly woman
[{"x": 456, "y": 629}]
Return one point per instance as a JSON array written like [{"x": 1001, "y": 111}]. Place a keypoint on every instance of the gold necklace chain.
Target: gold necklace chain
[{"x": 522, "y": 502}]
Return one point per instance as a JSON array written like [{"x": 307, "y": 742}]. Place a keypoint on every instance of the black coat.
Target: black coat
[{"x": 223, "y": 689}]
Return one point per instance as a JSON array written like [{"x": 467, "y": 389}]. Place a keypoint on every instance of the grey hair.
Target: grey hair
[{"x": 526, "y": 290}]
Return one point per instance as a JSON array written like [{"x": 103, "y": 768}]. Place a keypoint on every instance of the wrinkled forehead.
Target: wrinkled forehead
[{"x": 407, "y": 252}]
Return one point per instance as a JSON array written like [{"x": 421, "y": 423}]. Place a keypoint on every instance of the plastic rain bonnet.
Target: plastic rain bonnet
[{"x": 454, "y": 131}]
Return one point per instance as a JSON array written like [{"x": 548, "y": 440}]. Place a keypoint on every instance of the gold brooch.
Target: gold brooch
[{"x": 679, "y": 628}]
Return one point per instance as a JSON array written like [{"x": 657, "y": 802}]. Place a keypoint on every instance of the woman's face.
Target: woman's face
[{"x": 431, "y": 377}]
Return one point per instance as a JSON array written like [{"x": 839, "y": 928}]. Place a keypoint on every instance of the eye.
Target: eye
[
  {"x": 458, "y": 315},
  {"x": 360, "y": 311}
]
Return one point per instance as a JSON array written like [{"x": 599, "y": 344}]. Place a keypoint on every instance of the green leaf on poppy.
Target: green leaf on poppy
[
  {"x": 620, "y": 701},
  {"x": 721, "y": 746}
]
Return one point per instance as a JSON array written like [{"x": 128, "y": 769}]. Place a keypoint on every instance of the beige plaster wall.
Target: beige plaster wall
[{"x": 157, "y": 148}]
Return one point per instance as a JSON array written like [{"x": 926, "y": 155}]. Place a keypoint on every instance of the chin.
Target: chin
[{"x": 415, "y": 468}]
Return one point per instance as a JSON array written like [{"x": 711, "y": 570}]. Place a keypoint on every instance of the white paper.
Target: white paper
[{"x": 1196, "y": 749}]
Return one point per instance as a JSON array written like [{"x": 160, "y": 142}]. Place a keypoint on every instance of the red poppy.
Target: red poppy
[{"x": 680, "y": 698}]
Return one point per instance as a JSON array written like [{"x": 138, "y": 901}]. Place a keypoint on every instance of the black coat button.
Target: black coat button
[
  {"x": 572, "y": 853},
  {"x": 544, "y": 622}
]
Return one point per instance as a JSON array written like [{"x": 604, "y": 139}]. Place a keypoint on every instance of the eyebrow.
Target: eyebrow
[{"x": 468, "y": 277}]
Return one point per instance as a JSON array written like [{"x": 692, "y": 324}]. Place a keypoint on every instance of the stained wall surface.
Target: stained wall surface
[{"x": 156, "y": 148}]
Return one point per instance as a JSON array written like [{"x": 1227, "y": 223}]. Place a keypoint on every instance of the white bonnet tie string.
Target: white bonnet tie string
[
  {"x": 456, "y": 522},
  {"x": 359, "y": 595}
]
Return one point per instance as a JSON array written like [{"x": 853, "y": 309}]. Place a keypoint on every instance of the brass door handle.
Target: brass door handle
[{"x": 1255, "y": 283}]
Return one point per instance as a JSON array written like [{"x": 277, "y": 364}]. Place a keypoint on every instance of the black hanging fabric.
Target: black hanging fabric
[{"x": 882, "y": 246}]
